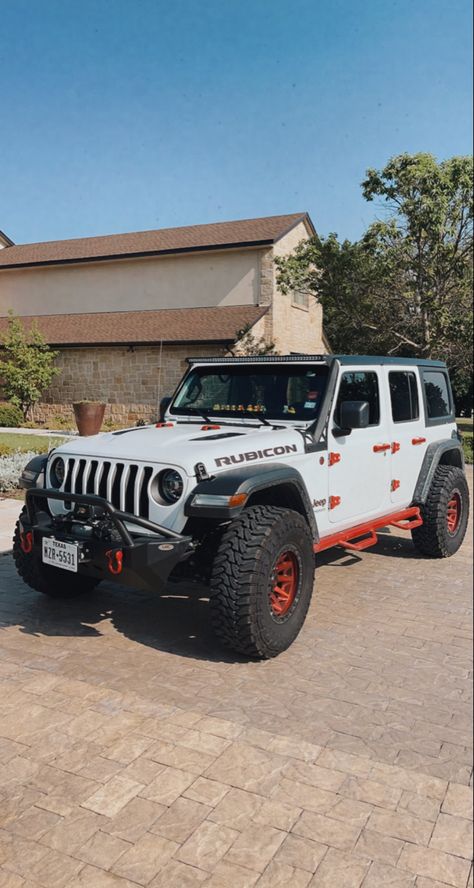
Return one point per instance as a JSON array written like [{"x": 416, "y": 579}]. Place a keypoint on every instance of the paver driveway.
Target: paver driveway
[{"x": 134, "y": 751}]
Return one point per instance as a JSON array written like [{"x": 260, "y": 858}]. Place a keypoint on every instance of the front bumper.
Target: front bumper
[{"x": 112, "y": 545}]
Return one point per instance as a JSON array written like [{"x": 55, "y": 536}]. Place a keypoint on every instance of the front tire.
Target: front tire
[
  {"x": 51, "y": 581},
  {"x": 262, "y": 581},
  {"x": 445, "y": 514}
]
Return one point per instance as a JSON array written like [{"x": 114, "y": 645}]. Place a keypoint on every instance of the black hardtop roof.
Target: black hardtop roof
[{"x": 357, "y": 360}]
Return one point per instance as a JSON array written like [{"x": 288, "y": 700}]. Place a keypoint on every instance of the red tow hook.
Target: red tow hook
[
  {"x": 26, "y": 541},
  {"x": 115, "y": 560}
]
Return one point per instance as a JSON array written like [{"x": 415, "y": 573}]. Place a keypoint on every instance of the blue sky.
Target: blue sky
[{"x": 120, "y": 115}]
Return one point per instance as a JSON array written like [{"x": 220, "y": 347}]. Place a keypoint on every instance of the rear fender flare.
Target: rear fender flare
[{"x": 448, "y": 452}]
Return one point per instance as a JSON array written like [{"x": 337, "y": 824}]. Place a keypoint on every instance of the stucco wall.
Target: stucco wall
[
  {"x": 221, "y": 278},
  {"x": 131, "y": 382},
  {"x": 294, "y": 328}
]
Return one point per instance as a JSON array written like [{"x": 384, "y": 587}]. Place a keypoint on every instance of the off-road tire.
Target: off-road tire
[
  {"x": 243, "y": 576},
  {"x": 49, "y": 581},
  {"x": 433, "y": 538}
]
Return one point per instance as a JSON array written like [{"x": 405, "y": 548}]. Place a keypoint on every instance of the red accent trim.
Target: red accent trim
[
  {"x": 407, "y": 519},
  {"x": 208, "y": 428},
  {"x": 115, "y": 561},
  {"x": 416, "y": 441},
  {"x": 164, "y": 425},
  {"x": 379, "y": 448},
  {"x": 334, "y": 458},
  {"x": 334, "y": 501},
  {"x": 395, "y": 447},
  {"x": 453, "y": 515},
  {"x": 285, "y": 585},
  {"x": 395, "y": 484},
  {"x": 26, "y": 542}
]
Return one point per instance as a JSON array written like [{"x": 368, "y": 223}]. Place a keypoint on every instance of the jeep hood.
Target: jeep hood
[{"x": 185, "y": 444}]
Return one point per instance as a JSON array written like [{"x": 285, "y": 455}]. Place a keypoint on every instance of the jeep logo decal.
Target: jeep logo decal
[{"x": 256, "y": 454}]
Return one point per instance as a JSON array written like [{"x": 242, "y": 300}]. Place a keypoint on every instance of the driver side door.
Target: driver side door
[{"x": 359, "y": 462}]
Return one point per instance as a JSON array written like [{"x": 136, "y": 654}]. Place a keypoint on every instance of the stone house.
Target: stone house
[{"x": 125, "y": 311}]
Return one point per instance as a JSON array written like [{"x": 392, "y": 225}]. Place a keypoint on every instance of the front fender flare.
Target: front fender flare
[{"x": 249, "y": 480}]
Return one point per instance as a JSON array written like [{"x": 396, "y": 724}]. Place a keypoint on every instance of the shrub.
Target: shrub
[
  {"x": 10, "y": 416},
  {"x": 11, "y": 467},
  {"x": 467, "y": 445}
]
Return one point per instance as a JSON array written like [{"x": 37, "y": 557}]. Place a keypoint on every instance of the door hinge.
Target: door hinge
[
  {"x": 334, "y": 501},
  {"x": 395, "y": 447},
  {"x": 395, "y": 484},
  {"x": 334, "y": 458}
]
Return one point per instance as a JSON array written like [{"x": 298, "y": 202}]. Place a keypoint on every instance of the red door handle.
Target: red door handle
[
  {"x": 379, "y": 448},
  {"x": 418, "y": 440}
]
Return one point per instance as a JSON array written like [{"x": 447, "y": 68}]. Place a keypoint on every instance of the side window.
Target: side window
[
  {"x": 360, "y": 386},
  {"x": 404, "y": 396},
  {"x": 438, "y": 400}
]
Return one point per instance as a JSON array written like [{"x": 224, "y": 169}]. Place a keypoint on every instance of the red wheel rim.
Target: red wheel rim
[
  {"x": 453, "y": 515},
  {"x": 285, "y": 584}
]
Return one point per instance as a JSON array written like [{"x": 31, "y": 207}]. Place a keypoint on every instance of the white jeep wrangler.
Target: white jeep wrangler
[{"x": 257, "y": 464}]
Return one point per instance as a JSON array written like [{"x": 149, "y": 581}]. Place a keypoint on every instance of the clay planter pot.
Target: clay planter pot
[{"x": 89, "y": 416}]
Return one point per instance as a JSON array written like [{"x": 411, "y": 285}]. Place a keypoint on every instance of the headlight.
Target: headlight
[
  {"x": 168, "y": 487},
  {"x": 57, "y": 472}
]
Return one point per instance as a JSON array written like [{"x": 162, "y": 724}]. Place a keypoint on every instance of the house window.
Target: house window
[
  {"x": 404, "y": 396},
  {"x": 360, "y": 386},
  {"x": 300, "y": 299}
]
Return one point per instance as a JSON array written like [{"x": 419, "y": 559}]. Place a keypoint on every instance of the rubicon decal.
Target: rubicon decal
[{"x": 256, "y": 454}]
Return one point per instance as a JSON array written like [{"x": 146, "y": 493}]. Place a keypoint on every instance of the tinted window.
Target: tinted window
[
  {"x": 438, "y": 400},
  {"x": 404, "y": 396},
  {"x": 360, "y": 386}
]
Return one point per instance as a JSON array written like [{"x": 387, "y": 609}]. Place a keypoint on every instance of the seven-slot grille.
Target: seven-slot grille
[{"x": 125, "y": 485}]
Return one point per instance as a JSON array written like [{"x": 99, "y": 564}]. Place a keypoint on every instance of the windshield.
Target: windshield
[{"x": 284, "y": 392}]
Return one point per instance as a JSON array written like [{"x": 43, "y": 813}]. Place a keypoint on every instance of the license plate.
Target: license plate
[{"x": 60, "y": 554}]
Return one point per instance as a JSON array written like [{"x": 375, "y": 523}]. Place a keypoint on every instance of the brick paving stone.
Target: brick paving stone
[
  {"x": 458, "y": 800},
  {"x": 103, "y": 850},
  {"x": 435, "y": 864},
  {"x": 302, "y": 853},
  {"x": 228, "y": 875},
  {"x": 247, "y": 767},
  {"x": 209, "y": 792},
  {"x": 56, "y": 870},
  {"x": 277, "y": 814},
  {"x": 385, "y": 849},
  {"x": 168, "y": 786},
  {"x": 92, "y": 876},
  {"x": 323, "y": 778},
  {"x": 381, "y": 875},
  {"x": 142, "y": 862},
  {"x": 207, "y": 845},
  {"x": 180, "y": 820},
  {"x": 237, "y": 809},
  {"x": 370, "y": 791},
  {"x": 340, "y": 869},
  {"x": 255, "y": 848},
  {"x": 421, "y": 806},
  {"x": 280, "y": 875},
  {"x": 179, "y": 875},
  {"x": 73, "y": 832},
  {"x": 185, "y": 759},
  {"x": 113, "y": 796},
  {"x": 326, "y": 830},
  {"x": 454, "y": 835},
  {"x": 401, "y": 825},
  {"x": 134, "y": 820}
]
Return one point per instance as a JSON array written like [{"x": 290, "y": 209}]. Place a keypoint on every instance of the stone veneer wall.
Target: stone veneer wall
[{"x": 127, "y": 379}]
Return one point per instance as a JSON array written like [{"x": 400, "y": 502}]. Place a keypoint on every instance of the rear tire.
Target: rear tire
[
  {"x": 262, "y": 581},
  {"x": 445, "y": 514},
  {"x": 51, "y": 581}
]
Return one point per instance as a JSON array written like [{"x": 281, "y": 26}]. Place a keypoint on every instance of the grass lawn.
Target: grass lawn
[
  {"x": 10, "y": 442},
  {"x": 465, "y": 426}
]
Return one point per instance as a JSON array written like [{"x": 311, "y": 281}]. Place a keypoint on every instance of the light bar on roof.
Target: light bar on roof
[{"x": 261, "y": 359}]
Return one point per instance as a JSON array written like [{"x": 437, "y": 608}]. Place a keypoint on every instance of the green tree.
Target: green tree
[
  {"x": 404, "y": 288},
  {"x": 26, "y": 364}
]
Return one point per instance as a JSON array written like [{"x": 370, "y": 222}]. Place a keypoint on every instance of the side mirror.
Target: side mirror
[
  {"x": 353, "y": 415},
  {"x": 164, "y": 404}
]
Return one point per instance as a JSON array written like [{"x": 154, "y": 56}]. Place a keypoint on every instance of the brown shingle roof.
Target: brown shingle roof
[
  {"x": 131, "y": 327},
  {"x": 217, "y": 235}
]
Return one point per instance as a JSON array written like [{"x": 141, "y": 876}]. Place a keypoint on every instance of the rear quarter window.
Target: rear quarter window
[{"x": 439, "y": 406}]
